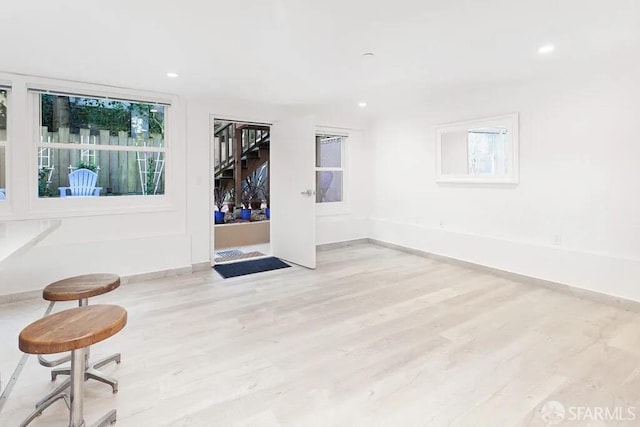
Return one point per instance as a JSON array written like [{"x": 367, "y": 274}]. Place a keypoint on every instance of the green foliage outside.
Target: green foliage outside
[
  {"x": 254, "y": 187},
  {"x": 85, "y": 165},
  {"x": 43, "y": 185},
  {"x": 96, "y": 114},
  {"x": 3, "y": 109},
  {"x": 151, "y": 174}
]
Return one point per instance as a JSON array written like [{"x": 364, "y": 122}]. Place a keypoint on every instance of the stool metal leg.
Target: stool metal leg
[
  {"x": 56, "y": 391},
  {"x": 93, "y": 372},
  {"x": 59, "y": 371},
  {"x": 51, "y": 363},
  {"x": 76, "y": 418},
  {"x": 113, "y": 358},
  {"x": 48, "y": 402},
  {"x": 109, "y": 418}
]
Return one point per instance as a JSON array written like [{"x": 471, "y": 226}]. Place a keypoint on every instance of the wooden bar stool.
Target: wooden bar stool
[
  {"x": 73, "y": 330},
  {"x": 79, "y": 288}
]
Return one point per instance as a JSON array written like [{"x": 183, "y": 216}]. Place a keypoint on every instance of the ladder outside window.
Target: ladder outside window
[
  {"x": 150, "y": 168},
  {"x": 45, "y": 161}
]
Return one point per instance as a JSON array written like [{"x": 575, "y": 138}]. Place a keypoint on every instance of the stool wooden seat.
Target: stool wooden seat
[
  {"x": 72, "y": 330},
  {"x": 80, "y": 288}
]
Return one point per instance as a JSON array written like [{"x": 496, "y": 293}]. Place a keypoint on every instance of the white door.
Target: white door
[{"x": 292, "y": 190}]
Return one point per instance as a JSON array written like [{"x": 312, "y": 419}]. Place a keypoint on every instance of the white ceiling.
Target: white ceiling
[{"x": 309, "y": 51}]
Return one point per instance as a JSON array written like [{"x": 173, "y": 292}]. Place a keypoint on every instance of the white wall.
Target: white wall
[
  {"x": 575, "y": 216},
  {"x": 578, "y": 187}
]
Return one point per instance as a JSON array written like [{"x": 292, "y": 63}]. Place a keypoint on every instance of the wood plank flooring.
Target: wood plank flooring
[{"x": 372, "y": 337}]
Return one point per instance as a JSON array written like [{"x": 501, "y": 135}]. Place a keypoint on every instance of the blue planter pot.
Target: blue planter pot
[
  {"x": 218, "y": 217},
  {"x": 267, "y": 213},
  {"x": 245, "y": 214}
]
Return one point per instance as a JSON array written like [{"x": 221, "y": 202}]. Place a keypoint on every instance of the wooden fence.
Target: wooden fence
[{"x": 118, "y": 171}]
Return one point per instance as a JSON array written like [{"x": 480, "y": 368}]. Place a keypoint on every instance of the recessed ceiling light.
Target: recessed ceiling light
[
  {"x": 368, "y": 54},
  {"x": 362, "y": 104},
  {"x": 172, "y": 75},
  {"x": 548, "y": 48}
]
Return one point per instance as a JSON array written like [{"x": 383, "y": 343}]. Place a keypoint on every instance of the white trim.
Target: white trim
[
  {"x": 513, "y": 151},
  {"x": 99, "y": 147},
  {"x": 125, "y": 98},
  {"x": 90, "y": 90},
  {"x": 235, "y": 119},
  {"x": 48, "y": 207},
  {"x": 227, "y": 118},
  {"x": 68, "y": 207}
]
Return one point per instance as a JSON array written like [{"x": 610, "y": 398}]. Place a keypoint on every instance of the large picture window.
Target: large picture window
[
  {"x": 100, "y": 147},
  {"x": 329, "y": 168},
  {"x": 3, "y": 145}
]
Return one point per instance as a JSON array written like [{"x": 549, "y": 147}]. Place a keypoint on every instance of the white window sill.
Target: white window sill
[{"x": 56, "y": 207}]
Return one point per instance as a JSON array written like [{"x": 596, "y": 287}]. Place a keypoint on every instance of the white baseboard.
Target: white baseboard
[
  {"x": 124, "y": 280},
  {"x": 20, "y": 296},
  {"x": 201, "y": 266},
  {"x": 344, "y": 244},
  {"x": 143, "y": 277},
  {"x": 593, "y": 275}
]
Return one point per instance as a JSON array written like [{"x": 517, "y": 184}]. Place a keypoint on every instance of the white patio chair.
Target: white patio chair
[{"x": 82, "y": 183}]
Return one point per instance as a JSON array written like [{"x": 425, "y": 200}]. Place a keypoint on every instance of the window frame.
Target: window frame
[
  {"x": 5, "y": 205},
  {"x": 46, "y": 207},
  {"x": 341, "y": 207},
  {"x": 510, "y": 121}
]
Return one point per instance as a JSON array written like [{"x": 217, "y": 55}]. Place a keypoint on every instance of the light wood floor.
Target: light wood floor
[{"x": 373, "y": 337}]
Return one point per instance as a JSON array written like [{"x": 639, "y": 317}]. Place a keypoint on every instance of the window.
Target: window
[
  {"x": 487, "y": 151},
  {"x": 329, "y": 168},
  {"x": 121, "y": 142},
  {"x": 479, "y": 151},
  {"x": 3, "y": 145}
]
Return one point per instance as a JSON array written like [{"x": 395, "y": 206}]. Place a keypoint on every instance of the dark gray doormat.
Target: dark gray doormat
[{"x": 249, "y": 267}]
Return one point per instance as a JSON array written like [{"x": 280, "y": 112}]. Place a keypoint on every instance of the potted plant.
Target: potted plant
[
  {"x": 218, "y": 199},
  {"x": 254, "y": 189},
  {"x": 245, "y": 198},
  {"x": 252, "y": 192},
  {"x": 231, "y": 196},
  {"x": 87, "y": 165}
]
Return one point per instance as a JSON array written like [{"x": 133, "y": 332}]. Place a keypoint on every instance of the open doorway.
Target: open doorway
[{"x": 241, "y": 203}]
